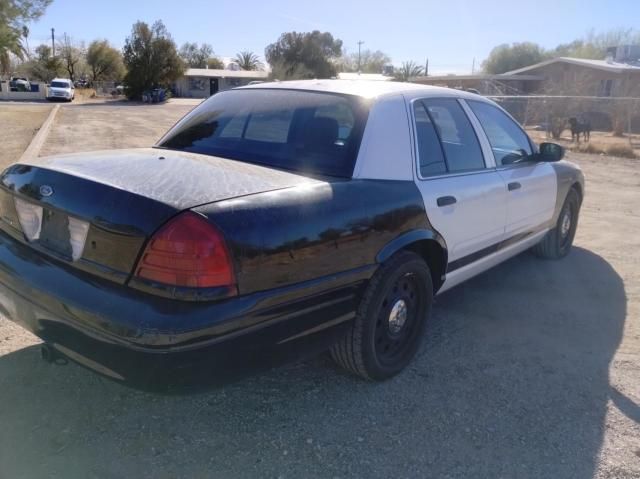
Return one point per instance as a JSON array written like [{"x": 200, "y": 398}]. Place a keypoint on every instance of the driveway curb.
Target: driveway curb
[{"x": 38, "y": 140}]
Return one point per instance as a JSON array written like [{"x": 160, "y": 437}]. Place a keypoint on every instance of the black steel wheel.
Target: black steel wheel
[
  {"x": 557, "y": 243},
  {"x": 390, "y": 320}
]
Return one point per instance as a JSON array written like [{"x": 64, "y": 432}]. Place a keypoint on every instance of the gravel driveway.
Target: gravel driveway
[{"x": 529, "y": 370}]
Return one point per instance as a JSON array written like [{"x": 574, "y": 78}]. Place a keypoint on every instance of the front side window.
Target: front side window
[
  {"x": 294, "y": 130},
  {"x": 508, "y": 142},
  {"x": 447, "y": 142}
]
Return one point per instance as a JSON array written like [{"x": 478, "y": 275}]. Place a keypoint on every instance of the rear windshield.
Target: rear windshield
[
  {"x": 290, "y": 129},
  {"x": 59, "y": 84}
]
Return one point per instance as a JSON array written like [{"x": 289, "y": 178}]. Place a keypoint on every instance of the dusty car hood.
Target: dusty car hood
[
  {"x": 54, "y": 89},
  {"x": 181, "y": 180}
]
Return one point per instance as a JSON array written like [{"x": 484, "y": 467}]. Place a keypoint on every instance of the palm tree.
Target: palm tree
[
  {"x": 248, "y": 61},
  {"x": 10, "y": 44},
  {"x": 408, "y": 70},
  {"x": 25, "y": 35}
]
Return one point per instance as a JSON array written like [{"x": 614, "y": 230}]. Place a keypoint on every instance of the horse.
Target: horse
[{"x": 580, "y": 126}]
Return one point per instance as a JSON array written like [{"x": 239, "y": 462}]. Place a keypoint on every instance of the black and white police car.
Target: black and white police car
[{"x": 275, "y": 221}]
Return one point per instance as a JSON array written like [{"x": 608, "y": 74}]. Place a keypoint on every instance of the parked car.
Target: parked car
[
  {"x": 61, "y": 89},
  {"x": 20, "y": 84},
  {"x": 276, "y": 221}
]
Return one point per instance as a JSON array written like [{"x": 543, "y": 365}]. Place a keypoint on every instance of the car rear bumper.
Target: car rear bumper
[{"x": 154, "y": 342}]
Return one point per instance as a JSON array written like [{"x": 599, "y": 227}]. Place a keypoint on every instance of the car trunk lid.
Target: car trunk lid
[{"x": 111, "y": 202}]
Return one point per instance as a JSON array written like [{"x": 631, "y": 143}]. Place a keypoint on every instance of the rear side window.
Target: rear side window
[
  {"x": 429, "y": 149},
  {"x": 508, "y": 142},
  {"x": 289, "y": 129},
  {"x": 447, "y": 142}
]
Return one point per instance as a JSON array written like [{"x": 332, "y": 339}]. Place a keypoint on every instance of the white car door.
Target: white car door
[
  {"x": 531, "y": 186},
  {"x": 465, "y": 198}
]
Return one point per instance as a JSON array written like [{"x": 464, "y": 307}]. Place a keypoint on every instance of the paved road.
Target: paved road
[{"x": 529, "y": 370}]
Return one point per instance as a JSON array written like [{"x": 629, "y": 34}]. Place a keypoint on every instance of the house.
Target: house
[
  {"x": 486, "y": 84},
  {"x": 596, "y": 90},
  {"x": 582, "y": 77},
  {"x": 204, "y": 82},
  {"x": 616, "y": 76}
]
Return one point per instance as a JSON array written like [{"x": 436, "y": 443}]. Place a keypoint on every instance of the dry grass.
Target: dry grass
[
  {"x": 601, "y": 143},
  {"x": 85, "y": 94},
  {"x": 19, "y": 124},
  {"x": 624, "y": 151},
  {"x": 592, "y": 148}
]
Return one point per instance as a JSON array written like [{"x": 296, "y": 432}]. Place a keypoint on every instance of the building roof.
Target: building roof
[
  {"x": 363, "y": 76},
  {"x": 598, "y": 64},
  {"x": 210, "y": 72},
  {"x": 363, "y": 88},
  {"x": 497, "y": 77}
]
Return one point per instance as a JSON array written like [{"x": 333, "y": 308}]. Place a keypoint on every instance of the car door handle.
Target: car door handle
[
  {"x": 514, "y": 186},
  {"x": 446, "y": 200}
]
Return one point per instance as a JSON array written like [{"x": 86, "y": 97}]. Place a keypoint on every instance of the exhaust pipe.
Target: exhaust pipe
[{"x": 50, "y": 355}]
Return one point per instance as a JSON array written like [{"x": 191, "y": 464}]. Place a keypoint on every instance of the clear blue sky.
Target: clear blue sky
[{"x": 451, "y": 33}]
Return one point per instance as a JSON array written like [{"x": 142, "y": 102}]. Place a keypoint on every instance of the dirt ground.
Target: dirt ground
[
  {"x": 18, "y": 124},
  {"x": 103, "y": 125},
  {"x": 530, "y": 370}
]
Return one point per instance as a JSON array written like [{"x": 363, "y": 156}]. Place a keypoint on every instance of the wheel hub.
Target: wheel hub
[
  {"x": 566, "y": 223},
  {"x": 397, "y": 316}
]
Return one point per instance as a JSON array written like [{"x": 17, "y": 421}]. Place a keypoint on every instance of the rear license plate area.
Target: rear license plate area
[{"x": 54, "y": 235}]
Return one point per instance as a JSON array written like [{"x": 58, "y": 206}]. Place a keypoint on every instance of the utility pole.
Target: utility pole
[
  {"x": 53, "y": 42},
  {"x": 426, "y": 68},
  {"x": 473, "y": 66},
  {"x": 360, "y": 42}
]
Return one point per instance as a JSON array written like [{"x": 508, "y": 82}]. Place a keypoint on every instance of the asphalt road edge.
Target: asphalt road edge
[{"x": 40, "y": 137}]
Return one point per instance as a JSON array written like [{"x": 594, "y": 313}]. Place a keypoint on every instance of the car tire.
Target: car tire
[
  {"x": 390, "y": 320},
  {"x": 557, "y": 243}
]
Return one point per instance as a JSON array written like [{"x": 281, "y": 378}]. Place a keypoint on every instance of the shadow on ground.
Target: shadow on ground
[{"x": 512, "y": 381}]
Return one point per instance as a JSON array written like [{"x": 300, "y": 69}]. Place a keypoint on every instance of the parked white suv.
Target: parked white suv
[{"x": 61, "y": 89}]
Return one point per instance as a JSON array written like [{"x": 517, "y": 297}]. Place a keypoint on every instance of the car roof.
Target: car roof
[
  {"x": 61, "y": 79},
  {"x": 363, "y": 88}
]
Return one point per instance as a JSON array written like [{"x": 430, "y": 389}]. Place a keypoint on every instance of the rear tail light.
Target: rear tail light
[
  {"x": 78, "y": 230},
  {"x": 188, "y": 251},
  {"x": 30, "y": 217}
]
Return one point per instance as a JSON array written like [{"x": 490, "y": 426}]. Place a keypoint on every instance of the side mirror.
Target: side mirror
[{"x": 551, "y": 152}]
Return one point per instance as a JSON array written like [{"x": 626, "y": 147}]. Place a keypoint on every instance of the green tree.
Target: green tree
[
  {"x": 14, "y": 17},
  {"x": 248, "y": 61},
  {"x": 304, "y": 55},
  {"x": 505, "y": 58},
  {"x": 72, "y": 57},
  {"x": 370, "y": 61},
  {"x": 215, "y": 63},
  {"x": 45, "y": 66},
  {"x": 10, "y": 44},
  {"x": 594, "y": 45},
  {"x": 104, "y": 61},
  {"x": 407, "y": 71},
  {"x": 196, "y": 56},
  {"x": 151, "y": 59}
]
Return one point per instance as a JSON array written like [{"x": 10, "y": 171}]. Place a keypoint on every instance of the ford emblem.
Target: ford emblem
[{"x": 46, "y": 190}]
